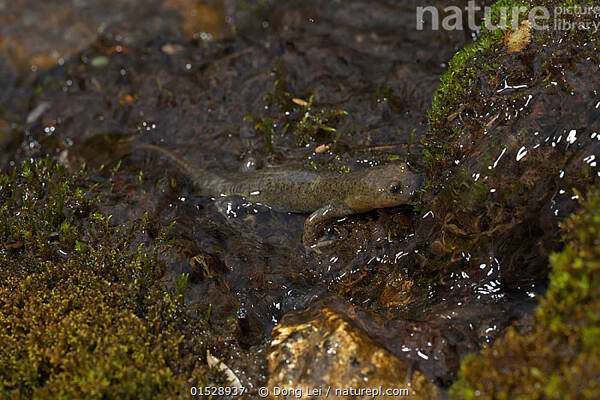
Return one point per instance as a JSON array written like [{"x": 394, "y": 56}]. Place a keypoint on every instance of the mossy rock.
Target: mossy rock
[
  {"x": 559, "y": 355},
  {"x": 511, "y": 134},
  {"x": 82, "y": 310},
  {"x": 511, "y": 150}
]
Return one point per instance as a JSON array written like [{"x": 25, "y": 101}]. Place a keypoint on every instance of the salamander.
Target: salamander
[{"x": 325, "y": 195}]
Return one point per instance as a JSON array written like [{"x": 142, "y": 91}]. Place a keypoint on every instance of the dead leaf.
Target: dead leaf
[
  {"x": 519, "y": 39},
  {"x": 63, "y": 158},
  {"x": 452, "y": 228},
  {"x": 15, "y": 245},
  {"x": 200, "y": 20},
  {"x": 300, "y": 102},
  {"x": 126, "y": 98},
  {"x": 37, "y": 112},
  {"x": 491, "y": 121},
  {"x": 172, "y": 48},
  {"x": 97, "y": 86},
  {"x": 455, "y": 114},
  {"x": 322, "y": 148},
  {"x": 199, "y": 260},
  {"x": 45, "y": 61},
  {"x": 118, "y": 49}
]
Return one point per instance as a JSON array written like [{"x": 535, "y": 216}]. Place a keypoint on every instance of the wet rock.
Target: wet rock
[
  {"x": 37, "y": 35},
  {"x": 201, "y": 20},
  {"x": 432, "y": 340},
  {"x": 511, "y": 150},
  {"x": 507, "y": 159},
  {"x": 317, "y": 351}
]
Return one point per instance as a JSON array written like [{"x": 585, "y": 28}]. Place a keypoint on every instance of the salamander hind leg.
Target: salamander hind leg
[{"x": 316, "y": 223}]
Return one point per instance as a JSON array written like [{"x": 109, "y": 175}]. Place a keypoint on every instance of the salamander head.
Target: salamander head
[{"x": 383, "y": 186}]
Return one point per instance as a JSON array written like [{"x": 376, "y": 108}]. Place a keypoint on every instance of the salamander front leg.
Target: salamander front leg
[{"x": 316, "y": 223}]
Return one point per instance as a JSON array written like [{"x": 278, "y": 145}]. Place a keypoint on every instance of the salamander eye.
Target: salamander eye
[{"x": 396, "y": 188}]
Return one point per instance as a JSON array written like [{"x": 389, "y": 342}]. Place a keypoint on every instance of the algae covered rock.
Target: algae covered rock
[{"x": 316, "y": 351}]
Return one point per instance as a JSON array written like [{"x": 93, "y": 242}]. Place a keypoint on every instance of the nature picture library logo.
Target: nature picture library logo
[{"x": 567, "y": 17}]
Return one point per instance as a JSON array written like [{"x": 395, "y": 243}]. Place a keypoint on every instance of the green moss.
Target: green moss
[
  {"x": 464, "y": 69},
  {"x": 457, "y": 80},
  {"x": 559, "y": 356},
  {"x": 82, "y": 312}
]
